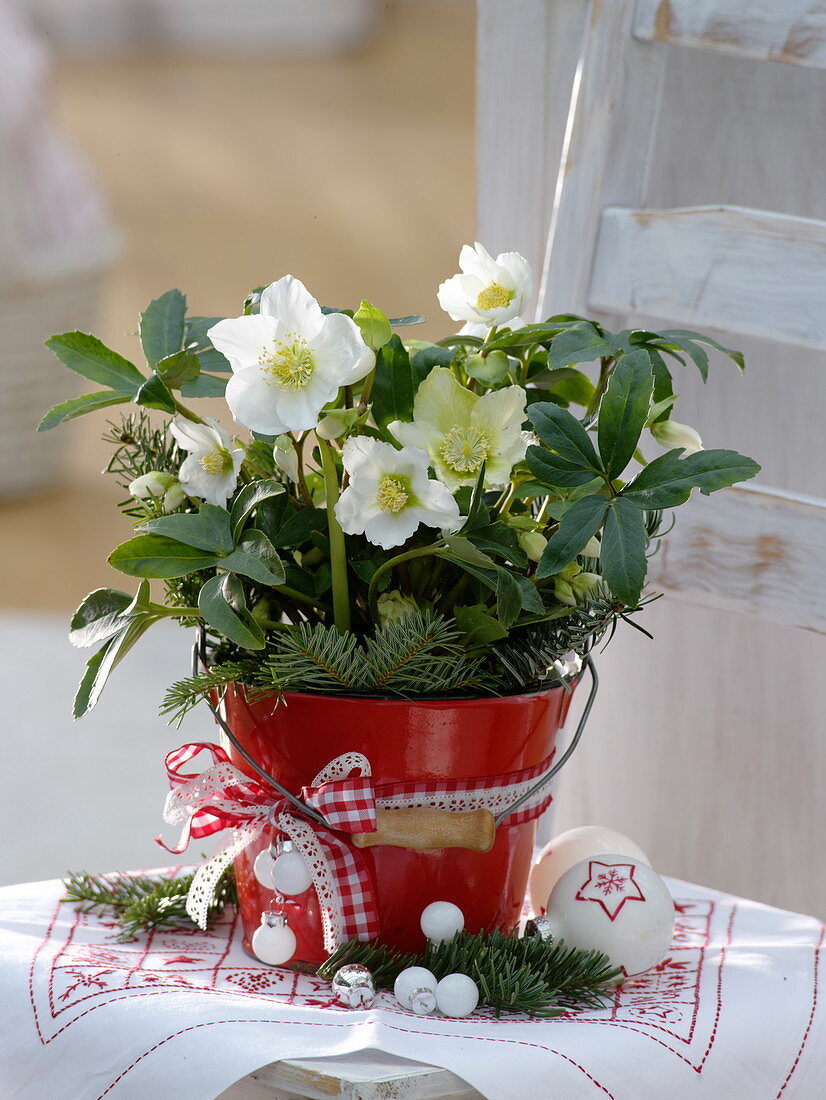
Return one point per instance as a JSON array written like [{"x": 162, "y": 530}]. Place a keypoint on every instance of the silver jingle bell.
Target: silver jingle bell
[
  {"x": 353, "y": 986},
  {"x": 423, "y": 1001},
  {"x": 541, "y": 928}
]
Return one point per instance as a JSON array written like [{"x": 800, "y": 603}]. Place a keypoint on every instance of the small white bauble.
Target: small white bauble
[
  {"x": 618, "y": 905},
  {"x": 415, "y": 988},
  {"x": 262, "y": 868},
  {"x": 457, "y": 995},
  {"x": 569, "y": 848},
  {"x": 274, "y": 942},
  {"x": 290, "y": 873},
  {"x": 441, "y": 920}
]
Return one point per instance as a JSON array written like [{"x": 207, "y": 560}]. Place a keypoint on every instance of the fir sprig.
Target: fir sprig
[
  {"x": 142, "y": 902},
  {"x": 183, "y": 695},
  {"x": 514, "y": 974}
]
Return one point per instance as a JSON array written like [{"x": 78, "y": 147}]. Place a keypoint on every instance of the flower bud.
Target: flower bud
[
  {"x": 285, "y": 457},
  {"x": 173, "y": 498},
  {"x": 564, "y": 593},
  {"x": 591, "y": 548},
  {"x": 583, "y": 584},
  {"x": 393, "y": 605},
  {"x": 336, "y": 423},
  {"x": 153, "y": 484},
  {"x": 533, "y": 543},
  {"x": 668, "y": 433}
]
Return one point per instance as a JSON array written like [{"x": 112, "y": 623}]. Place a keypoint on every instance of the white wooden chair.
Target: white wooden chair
[{"x": 684, "y": 186}]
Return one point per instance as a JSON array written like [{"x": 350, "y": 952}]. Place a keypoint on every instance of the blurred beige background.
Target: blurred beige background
[{"x": 353, "y": 172}]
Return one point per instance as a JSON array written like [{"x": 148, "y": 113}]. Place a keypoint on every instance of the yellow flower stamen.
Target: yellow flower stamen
[
  {"x": 392, "y": 494},
  {"x": 494, "y": 296},
  {"x": 464, "y": 449},
  {"x": 290, "y": 364},
  {"x": 216, "y": 462}
]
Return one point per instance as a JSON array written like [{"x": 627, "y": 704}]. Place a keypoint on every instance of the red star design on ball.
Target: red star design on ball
[{"x": 610, "y": 885}]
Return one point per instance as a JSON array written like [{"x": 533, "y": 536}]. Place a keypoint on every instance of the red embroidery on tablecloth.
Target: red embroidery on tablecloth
[{"x": 799, "y": 1055}]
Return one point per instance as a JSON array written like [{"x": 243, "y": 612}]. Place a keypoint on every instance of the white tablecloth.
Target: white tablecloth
[{"x": 734, "y": 1011}]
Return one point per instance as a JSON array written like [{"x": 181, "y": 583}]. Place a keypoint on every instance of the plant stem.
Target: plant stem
[
  {"x": 338, "y": 552},
  {"x": 188, "y": 413},
  {"x": 434, "y": 550},
  {"x": 366, "y": 390},
  {"x": 306, "y": 495}
]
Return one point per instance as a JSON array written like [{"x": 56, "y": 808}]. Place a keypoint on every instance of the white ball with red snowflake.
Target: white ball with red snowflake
[
  {"x": 618, "y": 905},
  {"x": 570, "y": 847}
]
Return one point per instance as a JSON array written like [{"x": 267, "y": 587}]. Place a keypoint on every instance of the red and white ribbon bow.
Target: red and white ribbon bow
[{"x": 222, "y": 797}]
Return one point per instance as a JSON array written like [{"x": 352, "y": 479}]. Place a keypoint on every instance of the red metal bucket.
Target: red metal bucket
[{"x": 432, "y": 739}]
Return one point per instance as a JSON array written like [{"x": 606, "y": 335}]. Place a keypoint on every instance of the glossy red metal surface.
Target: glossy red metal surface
[{"x": 438, "y": 739}]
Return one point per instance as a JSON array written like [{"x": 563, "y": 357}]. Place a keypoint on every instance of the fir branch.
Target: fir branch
[
  {"x": 185, "y": 694},
  {"x": 514, "y": 974},
  {"x": 142, "y": 902},
  {"x": 139, "y": 448}
]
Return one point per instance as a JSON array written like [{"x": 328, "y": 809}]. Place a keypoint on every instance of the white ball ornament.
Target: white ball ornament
[
  {"x": 274, "y": 941},
  {"x": 441, "y": 920},
  {"x": 457, "y": 995},
  {"x": 290, "y": 873},
  {"x": 415, "y": 988},
  {"x": 561, "y": 853},
  {"x": 262, "y": 868},
  {"x": 617, "y": 905}
]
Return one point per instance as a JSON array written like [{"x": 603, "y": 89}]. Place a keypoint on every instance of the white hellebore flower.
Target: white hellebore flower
[
  {"x": 488, "y": 292},
  {"x": 289, "y": 360},
  {"x": 460, "y": 430},
  {"x": 668, "y": 433},
  {"x": 211, "y": 470},
  {"x": 390, "y": 494}
]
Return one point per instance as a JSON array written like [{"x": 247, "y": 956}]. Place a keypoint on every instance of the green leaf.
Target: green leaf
[
  {"x": 581, "y": 520},
  {"x": 531, "y": 599},
  {"x": 155, "y": 555},
  {"x": 298, "y": 527},
  {"x": 78, "y": 406},
  {"x": 98, "y": 617},
  {"x": 508, "y": 598},
  {"x": 207, "y": 529},
  {"x": 162, "y": 326},
  {"x": 478, "y": 625},
  {"x": 568, "y": 385},
  {"x": 248, "y": 500},
  {"x": 205, "y": 385},
  {"x": 100, "y": 666},
  {"x": 564, "y": 434},
  {"x": 491, "y": 369},
  {"x": 501, "y": 541},
  {"x": 256, "y": 558},
  {"x": 553, "y": 471},
  {"x": 90, "y": 357},
  {"x": 668, "y": 480},
  {"x": 623, "y": 410},
  {"x": 177, "y": 369},
  {"x": 374, "y": 326},
  {"x": 394, "y": 385},
  {"x": 198, "y": 341},
  {"x": 622, "y": 551},
  {"x": 425, "y": 358},
  {"x": 222, "y": 604},
  {"x": 581, "y": 343},
  {"x": 153, "y": 394},
  {"x": 525, "y": 336},
  {"x": 465, "y": 551},
  {"x": 683, "y": 336},
  {"x": 410, "y": 319}
]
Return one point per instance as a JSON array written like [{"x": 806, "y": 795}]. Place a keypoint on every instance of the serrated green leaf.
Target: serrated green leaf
[
  {"x": 196, "y": 339},
  {"x": 179, "y": 368},
  {"x": 679, "y": 335},
  {"x": 162, "y": 326},
  {"x": 580, "y": 343},
  {"x": 207, "y": 529},
  {"x": 298, "y": 527},
  {"x": 99, "y": 667},
  {"x": 248, "y": 500},
  {"x": 154, "y": 555},
  {"x": 256, "y": 558},
  {"x": 98, "y": 617},
  {"x": 668, "y": 480},
  {"x": 555, "y": 472},
  {"x": 205, "y": 385},
  {"x": 622, "y": 551},
  {"x": 581, "y": 520},
  {"x": 394, "y": 385},
  {"x": 623, "y": 410},
  {"x": 564, "y": 434},
  {"x": 90, "y": 357},
  {"x": 222, "y": 604},
  {"x": 154, "y": 394},
  {"x": 79, "y": 406},
  {"x": 525, "y": 336}
]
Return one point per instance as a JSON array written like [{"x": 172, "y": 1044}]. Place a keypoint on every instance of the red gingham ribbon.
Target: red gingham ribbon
[{"x": 222, "y": 797}]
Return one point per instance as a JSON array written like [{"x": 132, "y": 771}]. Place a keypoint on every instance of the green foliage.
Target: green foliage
[
  {"x": 395, "y": 383},
  {"x": 624, "y": 410},
  {"x": 373, "y": 324},
  {"x": 162, "y": 327},
  {"x": 416, "y": 654},
  {"x": 668, "y": 480},
  {"x": 579, "y": 523},
  {"x": 223, "y": 605},
  {"x": 185, "y": 694},
  {"x": 514, "y": 974},
  {"x": 141, "y": 903}
]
